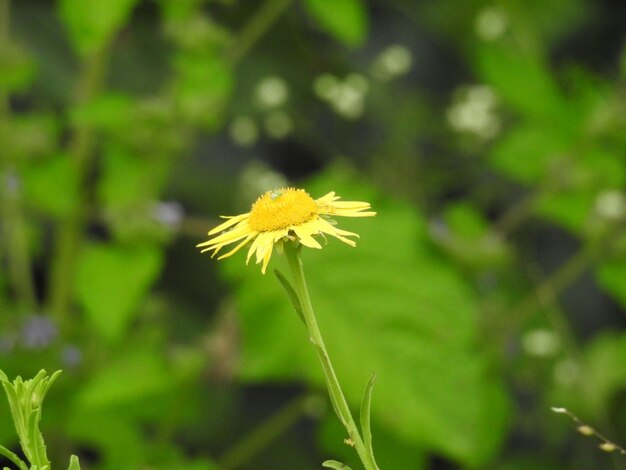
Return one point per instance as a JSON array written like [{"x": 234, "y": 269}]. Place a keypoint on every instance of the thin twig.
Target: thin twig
[{"x": 256, "y": 27}]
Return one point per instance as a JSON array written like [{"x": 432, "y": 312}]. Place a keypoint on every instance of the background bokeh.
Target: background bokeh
[{"x": 490, "y": 137}]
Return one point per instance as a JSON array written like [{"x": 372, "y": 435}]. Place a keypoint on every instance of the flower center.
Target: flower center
[{"x": 282, "y": 208}]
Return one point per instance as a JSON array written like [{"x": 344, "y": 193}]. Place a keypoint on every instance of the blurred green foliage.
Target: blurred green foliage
[{"x": 490, "y": 137}]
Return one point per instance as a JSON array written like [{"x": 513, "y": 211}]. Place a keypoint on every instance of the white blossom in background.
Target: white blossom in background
[
  {"x": 611, "y": 204},
  {"x": 324, "y": 86},
  {"x": 541, "y": 343},
  {"x": 271, "y": 92},
  {"x": 491, "y": 23},
  {"x": 394, "y": 62},
  {"x": 474, "y": 112},
  {"x": 346, "y": 97},
  {"x": 243, "y": 131},
  {"x": 278, "y": 124}
]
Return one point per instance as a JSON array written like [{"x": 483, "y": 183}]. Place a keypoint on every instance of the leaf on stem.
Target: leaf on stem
[
  {"x": 291, "y": 292},
  {"x": 74, "y": 464},
  {"x": 333, "y": 391},
  {"x": 366, "y": 405},
  {"x": 336, "y": 465},
  {"x": 13, "y": 458}
]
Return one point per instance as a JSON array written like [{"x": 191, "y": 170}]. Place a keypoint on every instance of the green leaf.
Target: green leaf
[
  {"x": 336, "y": 465},
  {"x": 366, "y": 406},
  {"x": 129, "y": 378},
  {"x": 516, "y": 77},
  {"x": 291, "y": 293},
  {"x": 13, "y": 458},
  {"x": 333, "y": 390},
  {"x": 391, "y": 305},
  {"x": 345, "y": 20},
  {"x": 611, "y": 275},
  {"x": 528, "y": 153},
  {"x": 604, "y": 369},
  {"x": 111, "y": 282},
  {"x": 74, "y": 464},
  {"x": 205, "y": 85},
  {"x": 91, "y": 24}
]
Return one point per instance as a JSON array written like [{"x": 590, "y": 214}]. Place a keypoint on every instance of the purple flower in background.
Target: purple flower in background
[
  {"x": 38, "y": 331},
  {"x": 7, "y": 342},
  {"x": 169, "y": 213},
  {"x": 71, "y": 356}
]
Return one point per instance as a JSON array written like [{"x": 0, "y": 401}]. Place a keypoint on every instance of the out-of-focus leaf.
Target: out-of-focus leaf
[
  {"x": 16, "y": 68},
  {"x": 345, "y": 20},
  {"x": 123, "y": 171},
  {"x": 205, "y": 86},
  {"x": 108, "y": 112},
  {"x": 611, "y": 275},
  {"x": 130, "y": 377},
  {"x": 51, "y": 186},
  {"x": 114, "y": 436},
  {"x": 604, "y": 371},
  {"x": 529, "y": 154},
  {"x": 524, "y": 82},
  {"x": 389, "y": 306},
  {"x": 111, "y": 282},
  {"x": 28, "y": 137},
  {"x": 91, "y": 24},
  {"x": 583, "y": 179},
  {"x": 466, "y": 237}
]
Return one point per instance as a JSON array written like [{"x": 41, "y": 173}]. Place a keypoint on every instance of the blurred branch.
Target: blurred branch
[
  {"x": 244, "y": 450},
  {"x": 16, "y": 246},
  {"x": 256, "y": 27},
  {"x": 554, "y": 285},
  {"x": 557, "y": 282},
  {"x": 81, "y": 149}
]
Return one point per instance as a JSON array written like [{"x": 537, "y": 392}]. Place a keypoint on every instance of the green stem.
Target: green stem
[
  {"x": 18, "y": 259},
  {"x": 292, "y": 251},
  {"x": 256, "y": 27}
]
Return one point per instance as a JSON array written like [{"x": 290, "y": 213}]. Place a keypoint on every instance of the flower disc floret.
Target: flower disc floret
[
  {"x": 281, "y": 209},
  {"x": 284, "y": 214}
]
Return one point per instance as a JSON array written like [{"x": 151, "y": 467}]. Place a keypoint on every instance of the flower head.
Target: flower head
[{"x": 285, "y": 213}]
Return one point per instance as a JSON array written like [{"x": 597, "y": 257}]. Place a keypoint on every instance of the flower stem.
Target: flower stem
[
  {"x": 292, "y": 251},
  {"x": 258, "y": 25},
  {"x": 69, "y": 231}
]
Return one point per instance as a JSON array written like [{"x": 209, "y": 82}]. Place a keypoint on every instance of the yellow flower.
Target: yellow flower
[{"x": 285, "y": 213}]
